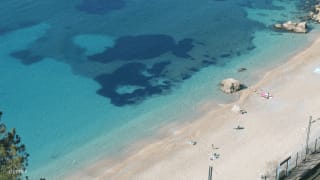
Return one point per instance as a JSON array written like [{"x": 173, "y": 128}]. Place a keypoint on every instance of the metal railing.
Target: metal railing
[{"x": 282, "y": 169}]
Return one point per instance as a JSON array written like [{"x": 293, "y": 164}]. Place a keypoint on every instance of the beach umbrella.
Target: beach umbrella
[{"x": 235, "y": 108}]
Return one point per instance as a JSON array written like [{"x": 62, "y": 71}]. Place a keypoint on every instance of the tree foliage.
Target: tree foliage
[{"x": 13, "y": 155}]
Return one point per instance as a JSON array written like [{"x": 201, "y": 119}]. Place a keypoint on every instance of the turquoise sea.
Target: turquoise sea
[{"x": 85, "y": 79}]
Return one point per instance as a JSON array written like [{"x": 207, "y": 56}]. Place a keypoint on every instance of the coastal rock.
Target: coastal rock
[
  {"x": 278, "y": 26},
  {"x": 2, "y": 128},
  {"x": 315, "y": 15},
  {"x": 230, "y": 85},
  {"x": 300, "y": 27}
]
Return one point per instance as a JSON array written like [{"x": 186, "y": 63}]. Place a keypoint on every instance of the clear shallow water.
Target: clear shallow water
[{"x": 49, "y": 80}]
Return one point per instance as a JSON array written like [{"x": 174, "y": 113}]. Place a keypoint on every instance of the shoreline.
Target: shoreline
[{"x": 175, "y": 145}]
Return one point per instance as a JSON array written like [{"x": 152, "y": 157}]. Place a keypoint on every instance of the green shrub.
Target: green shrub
[{"x": 13, "y": 155}]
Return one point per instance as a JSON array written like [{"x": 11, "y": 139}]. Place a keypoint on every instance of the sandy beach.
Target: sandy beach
[{"x": 273, "y": 128}]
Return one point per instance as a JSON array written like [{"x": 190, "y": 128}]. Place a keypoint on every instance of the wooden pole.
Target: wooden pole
[
  {"x": 308, "y": 135},
  {"x": 287, "y": 168},
  {"x": 297, "y": 159},
  {"x": 277, "y": 173},
  {"x": 315, "y": 146},
  {"x": 210, "y": 173}
]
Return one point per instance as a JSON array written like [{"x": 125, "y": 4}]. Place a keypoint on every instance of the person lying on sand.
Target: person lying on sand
[
  {"x": 214, "y": 156},
  {"x": 242, "y": 111},
  {"x": 263, "y": 93},
  {"x": 191, "y": 142},
  {"x": 266, "y": 95}
]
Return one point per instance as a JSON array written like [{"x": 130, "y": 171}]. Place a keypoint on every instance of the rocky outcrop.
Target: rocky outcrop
[
  {"x": 2, "y": 128},
  {"x": 242, "y": 69},
  {"x": 230, "y": 85},
  {"x": 300, "y": 27},
  {"x": 315, "y": 15}
]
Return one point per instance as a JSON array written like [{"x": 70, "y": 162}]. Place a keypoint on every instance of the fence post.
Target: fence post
[
  {"x": 297, "y": 159},
  {"x": 210, "y": 173},
  {"x": 308, "y": 135},
  {"x": 315, "y": 145},
  {"x": 287, "y": 170},
  {"x": 277, "y": 173}
]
